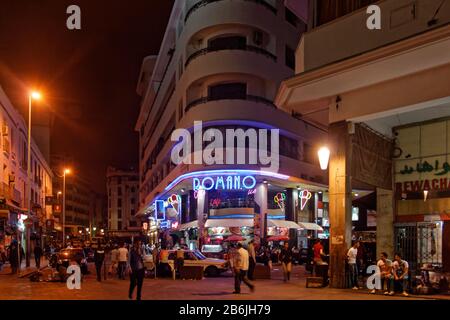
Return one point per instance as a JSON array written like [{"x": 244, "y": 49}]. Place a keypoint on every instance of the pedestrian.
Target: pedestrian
[
  {"x": 286, "y": 262},
  {"x": 385, "y": 272},
  {"x": 179, "y": 262},
  {"x": 99, "y": 259},
  {"x": 37, "y": 255},
  {"x": 252, "y": 262},
  {"x": 2, "y": 256},
  {"x": 137, "y": 270},
  {"x": 317, "y": 254},
  {"x": 241, "y": 264},
  {"x": 123, "y": 259},
  {"x": 353, "y": 268},
  {"x": 114, "y": 260},
  {"x": 14, "y": 257},
  {"x": 401, "y": 273}
]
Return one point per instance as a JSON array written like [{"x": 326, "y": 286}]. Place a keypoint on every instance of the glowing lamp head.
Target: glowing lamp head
[
  {"x": 324, "y": 157},
  {"x": 35, "y": 95},
  {"x": 67, "y": 171}
]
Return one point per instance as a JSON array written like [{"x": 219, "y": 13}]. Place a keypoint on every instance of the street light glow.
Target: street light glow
[
  {"x": 36, "y": 95},
  {"x": 67, "y": 171},
  {"x": 324, "y": 157}
]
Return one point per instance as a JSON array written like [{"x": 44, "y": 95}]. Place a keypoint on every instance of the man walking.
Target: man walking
[
  {"x": 252, "y": 262},
  {"x": 37, "y": 255},
  {"x": 241, "y": 264},
  {"x": 123, "y": 259},
  {"x": 14, "y": 257},
  {"x": 353, "y": 268},
  {"x": 286, "y": 262},
  {"x": 137, "y": 270},
  {"x": 99, "y": 258}
]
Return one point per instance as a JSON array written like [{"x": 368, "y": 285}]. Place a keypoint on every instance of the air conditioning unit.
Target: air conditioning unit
[{"x": 258, "y": 37}]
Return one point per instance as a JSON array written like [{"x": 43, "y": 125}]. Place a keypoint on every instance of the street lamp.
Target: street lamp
[
  {"x": 65, "y": 172},
  {"x": 33, "y": 95},
  {"x": 324, "y": 157}
]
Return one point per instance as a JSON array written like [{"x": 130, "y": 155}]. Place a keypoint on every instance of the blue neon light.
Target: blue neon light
[
  {"x": 212, "y": 173},
  {"x": 224, "y": 183}
]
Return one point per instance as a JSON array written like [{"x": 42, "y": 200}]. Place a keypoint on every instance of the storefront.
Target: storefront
[
  {"x": 211, "y": 208},
  {"x": 422, "y": 180}
]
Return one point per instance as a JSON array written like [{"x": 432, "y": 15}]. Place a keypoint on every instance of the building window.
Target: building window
[
  {"x": 291, "y": 17},
  {"x": 119, "y": 202},
  {"x": 133, "y": 212},
  {"x": 119, "y": 191},
  {"x": 180, "y": 110},
  {"x": 119, "y": 225},
  {"x": 133, "y": 189},
  {"x": 231, "y": 42},
  {"x": 119, "y": 214},
  {"x": 329, "y": 10},
  {"x": 133, "y": 200},
  {"x": 290, "y": 58},
  {"x": 133, "y": 224},
  {"x": 228, "y": 91}
]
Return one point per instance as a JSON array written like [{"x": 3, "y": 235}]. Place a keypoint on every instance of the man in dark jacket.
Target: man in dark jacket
[
  {"x": 286, "y": 261},
  {"x": 99, "y": 258},
  {"x": 137, "y": 270},
  {"x": 14, "y": 256},
  {"x": 37, "y": 255}
]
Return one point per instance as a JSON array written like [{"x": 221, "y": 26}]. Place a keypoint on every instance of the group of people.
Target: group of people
[{"x": 390, "y": 272}]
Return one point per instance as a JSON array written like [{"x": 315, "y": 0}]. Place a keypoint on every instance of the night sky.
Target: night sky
[{"x": 88, "y": 76}]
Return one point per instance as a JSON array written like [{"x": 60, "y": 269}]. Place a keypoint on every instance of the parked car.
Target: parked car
[
  {"x": 66, "y": 257},
  {"x": 211, "y": 267}
]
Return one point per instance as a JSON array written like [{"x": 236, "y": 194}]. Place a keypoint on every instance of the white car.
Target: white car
[{"x": 211, "y": 267}]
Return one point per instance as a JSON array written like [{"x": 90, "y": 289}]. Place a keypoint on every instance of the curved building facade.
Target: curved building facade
[{"x": 221, "y": 63}]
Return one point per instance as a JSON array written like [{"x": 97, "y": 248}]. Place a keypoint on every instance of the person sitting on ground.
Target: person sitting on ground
[
  {"x": 385, "y": 272},
  {"x": 401, "y": 271}
]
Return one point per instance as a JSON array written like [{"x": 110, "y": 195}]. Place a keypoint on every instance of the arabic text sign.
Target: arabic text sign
[{"x": 423, "y": 167}]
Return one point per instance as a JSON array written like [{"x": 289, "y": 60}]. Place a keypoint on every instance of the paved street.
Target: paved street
[{"x": 11, "y": 287}]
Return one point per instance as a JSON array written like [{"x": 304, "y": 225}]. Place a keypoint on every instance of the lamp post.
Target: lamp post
[
  {"x": 66, "y": 172},
  {"x": 34, "y": 95}
]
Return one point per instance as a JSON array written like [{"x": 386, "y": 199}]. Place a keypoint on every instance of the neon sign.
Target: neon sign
[
  {"x": 280, "y": 199},
  {"x": 304, "y": 196},
  {"x": 224, "y": 183}
]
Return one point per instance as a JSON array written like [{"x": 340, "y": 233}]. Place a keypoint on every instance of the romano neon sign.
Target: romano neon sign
[{"x": 224, "y": 183}]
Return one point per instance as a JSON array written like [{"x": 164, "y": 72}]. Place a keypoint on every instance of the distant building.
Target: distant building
[
  {"x": 123, "y": 191},
  {"x": 14, "y": 219},
  {"x": 80, "y": 204}
]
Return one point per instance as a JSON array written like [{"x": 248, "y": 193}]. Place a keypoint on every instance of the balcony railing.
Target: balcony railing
[
  {"x": 203, "y": 3},
  {"x": 243, "y": 48},
  {"x": 248, "y": 97}
]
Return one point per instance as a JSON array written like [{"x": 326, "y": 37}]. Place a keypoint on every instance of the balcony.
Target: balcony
[
  {"x": 203, "y": 3},
  {"x": 250, "y": 48},
  {"x": 348, "y": 36},
  {"x": 248, "y": 97},
  {"x": 10, "y": 193}
]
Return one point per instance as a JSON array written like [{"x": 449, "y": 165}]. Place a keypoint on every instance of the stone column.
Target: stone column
[
  {"x": 340, "y": 206},
  {"x": 385, "y": 222},
  {"x": 202, "y": 214},
  {"x": 261, "y": 212}
]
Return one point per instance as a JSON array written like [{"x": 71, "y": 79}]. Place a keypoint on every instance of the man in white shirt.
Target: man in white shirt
[
  {"x": 385, "y": 272},
  {"x": 241, "y": 265},
  {"x": 401, "y": 270},
  {"x": 353, "y": 268},
  {"x": 123, "y": 260}
]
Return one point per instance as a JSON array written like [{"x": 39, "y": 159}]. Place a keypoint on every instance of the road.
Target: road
[{"x": 12, "y": 287}]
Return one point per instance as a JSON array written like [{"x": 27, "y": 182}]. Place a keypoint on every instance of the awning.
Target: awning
[
  {"x": 189, "y": 225},
  {"x": 283, "y": 224},
  {"x": 310, "y": 226},
  {"x": 227, "y": 223}
]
